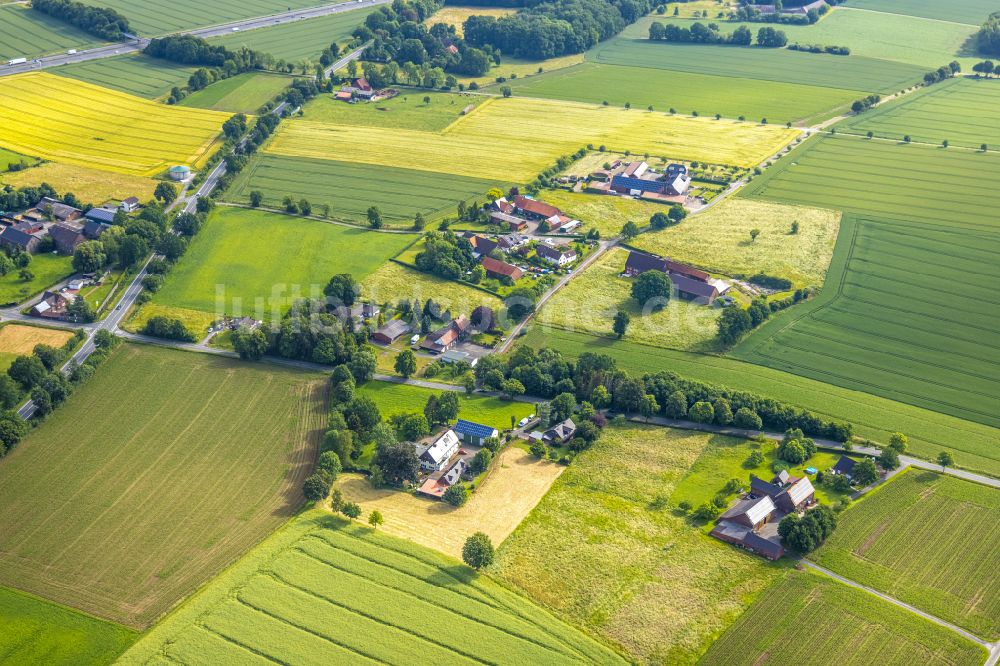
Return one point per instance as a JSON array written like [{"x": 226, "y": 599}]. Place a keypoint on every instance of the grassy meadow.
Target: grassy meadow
[
  {"x": 393, "y": 281},
  {"x": 297, "y": 40},
  {"x": 590, "y": 301},
  {"x": 965, "y": 111},
  {"x": 39, "y": 632},
  {"x": 257, "y": 263},
  {"x": 29, "y": 34},
  {"x": 244, "y": 93},
  {"x": 719, "y": 240},
  {"x": 350, "y": 188},
  {"x": 406, "y": 111},
  {"x": 885, "y": 326},
  {"x": 688, "y": 92},
  {"x": 628, "y": 555},
  {"x": 325, "y": 591},
  {"x": 87, "y": 184},
  {"x": 970, "y": 12},
  {"x": 47, "y": 269},
  {"x": 926, "y": 539},
  {"x": 806, "y": 617},
  {"x": 394, "y": 398},
  {"x": 134, "y": 74},
  {"x": 972, "y": 444},
  {"x": 112, "y": 466},
  {"x": 8, "y": 157},
  {"x": 79, "y": 123}
]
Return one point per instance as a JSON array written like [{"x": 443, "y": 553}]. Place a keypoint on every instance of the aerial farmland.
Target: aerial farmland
[{"x": 589, "y": 332}]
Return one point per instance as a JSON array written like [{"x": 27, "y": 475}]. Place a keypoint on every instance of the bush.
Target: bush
[
  {"x": 747, "y": 419},
  {"x": 168, "y": 328},
  {"x": 456, "y": 495}
]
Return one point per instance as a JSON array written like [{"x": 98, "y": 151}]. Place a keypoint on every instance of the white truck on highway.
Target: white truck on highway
[{"x": 16, "y": 61}]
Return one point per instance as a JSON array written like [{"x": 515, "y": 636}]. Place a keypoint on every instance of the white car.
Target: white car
[
  {"x": 236, "y": 29},
  {"x": 523, "y": 422}
]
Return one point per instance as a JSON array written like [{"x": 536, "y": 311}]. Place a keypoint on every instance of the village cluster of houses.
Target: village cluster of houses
[
  {"x": 66, "y": 225},
  {"x": 445, "y": 459},
  {"x": 638, "y": 179},
  {"x": 522, "y": 212},
  {"x": 689, "y": 282}
]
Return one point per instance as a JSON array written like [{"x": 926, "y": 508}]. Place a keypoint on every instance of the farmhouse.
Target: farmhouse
[
  {"x": 391, "y": 332},
  {"x": 513, "y": 222},
  {"x": 93, "y": 230},
  {"x": 359, "y": 88},
  {"x": 559, "y": 255},
  {"x": 481, "y": 245},
  {"x": 52, "y": 306},
  {"x": 689, "y": 282},
  {"x": 788, "y": 492},
  {"x": 560, "y": 432},
  {"x": 103, "y": 215},
  {"x": 501, "y": 269},
  {"x": 447, "y": 337},
  {"x": 534, "y": 210},
  {"x": 510, "y": 242},
  {"x": 436, "y": 456},
  {"x": 66, "y": 237},
  {"x": 130, "y": 205},
  {"x": 474, "y": 433},
  {"x": 436, "y": 487},
  {"x": 637, "y": 179},
  {"x": 358, "y": 311}
]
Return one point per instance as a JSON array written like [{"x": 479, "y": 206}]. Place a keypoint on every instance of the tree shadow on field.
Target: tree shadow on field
[{"x": 453, "y": 576}]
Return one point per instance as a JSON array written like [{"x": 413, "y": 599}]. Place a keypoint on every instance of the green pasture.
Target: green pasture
[
  {"x": 323, "y": 590},
  {"x": 887, "y": 325},
  {"x": 158, "y": 18},
  {"x": 351, "y": 188},
  {"x": 971, "y": 12},
  {"x": 406, "y": 111},
  {"x": 244, "y": 93},
  {"x": 394, "y": 398},
  {"x": 809, "y": 618},
  {"x": 135, "y": 74},
  {"x": 256, "y": 263},
  {"x": 842, "y": 72},
  {"x": 972, "y": 444},
  {"x": 929, "y": 540},
  {"x": 941, "y": 187},
  {"x": 39, "y": 632},
  {"x": 688, "y": 92},
  {"x": 25, "y": 33},
  {"x": 298, "y": 40},
  {"x": 46, "y": 270},
  {"x": 964, "y": 111},
  {"x": 8, "y": 157}
]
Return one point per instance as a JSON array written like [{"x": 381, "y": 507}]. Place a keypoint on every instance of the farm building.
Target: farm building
[
  {"x": 21, "y": 236},
  {"x": 481, "y": 245},
  {"x": 788, "y": 492},
  {"x": 456, "y": 356},
  {"x": 435, "y": 457},
  {"x": 559, "y": 255},
  {"x": 93, "y": 230},
  {"x": 560, "y": 432},
  {"x": 359, "y": 88},
  {"x": 129, "y": 205},
  {"x": 180, "y": 172},
  {"x": 58, "y": 210},
  {"x": 66, "y": 237},
  {"x": 510, "y": 242},
  {"x": 474, "y": 433},
  {"x": 51, "y": 306},
  {"x": 501, "y": 269},
  {"x": 391, "y": 332},
  {"x": 533, "y": 209},
  {"x": 689, "y": 282},
  {"x": 637, "y": 179},
  {"x": 752, "y": 513},
  {"x": 436, "y": 487},
  {"x": 447, "y": 337},
  {"x": 102, "y": 215},
  {"x": 358, "y": 311},
  {"x": 513, "y": 222}
]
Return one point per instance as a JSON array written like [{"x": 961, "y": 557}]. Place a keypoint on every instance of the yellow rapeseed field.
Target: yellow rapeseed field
[
  {"x": 513, "y": 139},
  {"x": 73, "y": 122}
]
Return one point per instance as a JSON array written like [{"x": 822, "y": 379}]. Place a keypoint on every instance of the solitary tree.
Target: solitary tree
[
  {"x": 165, "y": 192},
  {"x": 256, "y": 198},
  {"x": 621, "y": 324},
  {"x": 630, "y": 230},
  {"x": 406, "y": 363},
  {"x": 945, "y": 460},
  {"x": 753, "y": 234},
  {"x": 478, "y": 551},
  {"x": 374, "y": 217},
  {"x": 351, "y": 510},
  {"x": 898, "y": 442},
  {"x": 375, "y": 519}
]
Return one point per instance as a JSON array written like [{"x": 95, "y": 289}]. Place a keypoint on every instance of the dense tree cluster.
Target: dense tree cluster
[
  {"x": 819, "y": 48},
  {"x": 865, "y": 103},
  {"x": 99, "y": 21},
  {"x": 735, "y": 322},
  {"x": 12, "y": 199},
  {"x": 699, "y": 33},
  {"x": 550, "y": 29},
  {"x": 988, "y": 37},
  {"x": 807, "y": 532},
  {"x": 446, "y": 254},
  {"x": 191, "y": 50},
  {"x": 943, "y": 72},
  {"x": 795, "y": 448}
]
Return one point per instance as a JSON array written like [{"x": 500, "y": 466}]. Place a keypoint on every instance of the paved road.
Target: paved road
[
  {"x": 135, "y": 45},
  {"x": 992, "y": 648}
]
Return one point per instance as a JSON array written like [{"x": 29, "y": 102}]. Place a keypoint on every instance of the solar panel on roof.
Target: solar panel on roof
[{"x": 475, "y": 429}]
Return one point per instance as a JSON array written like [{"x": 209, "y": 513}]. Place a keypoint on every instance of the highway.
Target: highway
[{"x": 139, "y": 43}]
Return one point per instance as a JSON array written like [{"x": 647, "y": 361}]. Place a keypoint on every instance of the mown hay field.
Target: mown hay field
[
  {"x": 514, "y": 139},
  {"x": 929, "y": 540},
  {"x": 972, "y": 444},
  {"x": 180, "y": 461},
  {"x": 254, "y": 263},
  {"x": 517, "y": 482},
  {"x": 297, "y": 40},
  {"x": 719, "y": 240},
  {"x": 964, "y": 111},
  {"x": 393, "y": 282},
  {"x": 79, "y": 123},
  {"x": 942, "y": 187},
  {"x": 971, "y": 12},
  {"x": 392, "y": 398},
  {"x": 689, "y": 92},
  {"x": 886, "y": 325},
  {"x": 195, "y": 321},
  {"x": 324, "y": 591},
  {"x": 244, "y": 93},
  {"x": 39, "y": 632},
  {"x": 350, "y": 188},
  {"x": 29, "y": 34},
  {"x": 20, "y": 339},
  {"x": 456, "y": 16},
  {"x": 134, "y": 74},
  {"x": 806, "y": 617},
  {"x": 87, "y": 184},
  {"x": 638, "y": 576},
  {"x": 590, "y": 301}
]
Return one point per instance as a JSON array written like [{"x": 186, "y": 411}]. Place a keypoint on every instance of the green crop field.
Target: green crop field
[
  {"x": 950, "y": 188},
  {"x": 351, "y": 188},
  {"x": 639, "y": 576},
  {"x": 244, "y": 93},
  {"x": 394, "y": 398},
  {"x": 298, "y": 40},
  {"x": 846, "y": 73},
  {"x": 156, "y": 474},
  {"x": 964, "y": 111},
  {"x": 135, "y": 74},
  {"x": 929, "y": 540},
  {"x": 29, "y": 34},
  {"x": 687, "y": 91},
  {"x": 809, "y": 618},
  {"x": 39, "y": 632},
  {"x": 46, "y": 270},
  {"x": 256, "y": 263},
  {"x": 8, "y": 157},
  {"x": 971, "y": 12},
  {"x": 323, "y": 591},
  {"x": 153, "y": 18},
  {"x": 405, "y": 111},
  {"x": 972, "y": 444}
]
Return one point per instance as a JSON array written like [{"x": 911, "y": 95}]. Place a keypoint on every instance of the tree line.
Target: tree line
[
  {"x": 700, "y": 33},
  {"x": 99, "y": 21}
]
